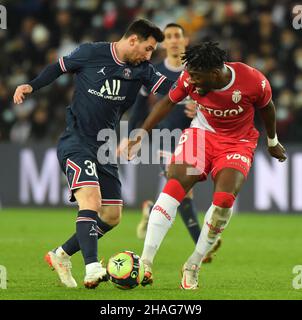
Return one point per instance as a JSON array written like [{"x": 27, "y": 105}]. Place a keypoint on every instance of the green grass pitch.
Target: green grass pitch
[{"x": 255, "y": 261}]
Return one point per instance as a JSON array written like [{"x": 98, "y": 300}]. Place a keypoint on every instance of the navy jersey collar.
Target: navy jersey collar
[{"x": 114, "y": 55}]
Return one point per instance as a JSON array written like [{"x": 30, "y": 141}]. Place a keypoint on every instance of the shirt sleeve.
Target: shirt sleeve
[
  {"x": 139, "y": 112},
  {"x": 180, "y": 88},
  {"x": 76, "y": 59},
  {"x": 47, "y": 76},
  {"x": 264, "y": 90},
  {"x": 155, "y": 82}
]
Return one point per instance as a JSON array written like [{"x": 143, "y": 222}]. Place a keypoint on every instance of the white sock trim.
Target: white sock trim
[{"x": 92, "y": 266}]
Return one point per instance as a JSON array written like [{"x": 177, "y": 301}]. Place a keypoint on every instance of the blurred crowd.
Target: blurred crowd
[{"x": 257, "y": 32}]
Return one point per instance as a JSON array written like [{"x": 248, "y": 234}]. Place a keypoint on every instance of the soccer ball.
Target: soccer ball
[{"x": 125, "y": 270}]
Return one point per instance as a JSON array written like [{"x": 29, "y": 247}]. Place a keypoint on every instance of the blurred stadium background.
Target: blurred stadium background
[
  {"x": 259, "y": 33},
  {"x": 259, "y": 250}
]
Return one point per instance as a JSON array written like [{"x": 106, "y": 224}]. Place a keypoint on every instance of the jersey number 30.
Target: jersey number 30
[{"x": 91, "y": 168}]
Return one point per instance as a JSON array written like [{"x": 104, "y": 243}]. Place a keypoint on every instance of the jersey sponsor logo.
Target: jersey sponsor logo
[
  {"x": 214, "y": 229},
  {"x": 220, "y": 113},
  {"x": 236, "y": 96},
  {"x": 237, "y": 156},
  {"x": 163, "y": 211},
  {"x": 109, "y": 91}
]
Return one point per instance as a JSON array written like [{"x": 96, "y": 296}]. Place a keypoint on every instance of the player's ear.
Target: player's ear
[
  {"x": 215, "y": 73},
  {"x": 133, "y": 39}
]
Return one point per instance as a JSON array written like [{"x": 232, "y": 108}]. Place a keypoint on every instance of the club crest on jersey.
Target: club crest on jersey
[
  {"x": 127, "y": 73},
  {"x": 236, "y": 96}
]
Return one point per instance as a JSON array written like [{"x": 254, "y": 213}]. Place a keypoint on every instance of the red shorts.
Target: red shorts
[{"x": 208, "y": 152}]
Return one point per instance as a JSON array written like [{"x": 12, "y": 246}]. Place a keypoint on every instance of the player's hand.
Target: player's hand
[
  {"x": 190, "y": 110},
  {"x": 20, "y": 93},
  {"x": 121, "y": 150},
  {"x": 278, "y": 152},
  {"x": 133, "y": 148}
]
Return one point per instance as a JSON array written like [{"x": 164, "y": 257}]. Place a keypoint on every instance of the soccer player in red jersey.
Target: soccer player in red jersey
[{"x": 221, "y": 141}]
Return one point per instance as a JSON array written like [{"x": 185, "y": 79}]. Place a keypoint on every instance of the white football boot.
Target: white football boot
[
  {"x": 141, "y": 229},
  {"x": 95, "y": 273},
  {"x": 189, "y": 279},
  {"x": 59, "y": 261},
  {"x": 148, "y": 278}
]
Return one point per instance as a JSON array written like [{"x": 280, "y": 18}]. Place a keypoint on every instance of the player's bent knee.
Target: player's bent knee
[
  {"x": 223, "y": 199},
  {"x": 179, "y": 173},
  {"x": 111, "y": 215}
]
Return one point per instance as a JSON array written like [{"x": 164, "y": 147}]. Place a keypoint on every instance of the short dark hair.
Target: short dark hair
[
  {"x": 204, "y": 56},
  {"x": 144, "y": 29},
  {"x": 174, "y": 25}
]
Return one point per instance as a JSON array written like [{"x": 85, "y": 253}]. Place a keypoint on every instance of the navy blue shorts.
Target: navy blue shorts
[{"x": 79, "y": 163}]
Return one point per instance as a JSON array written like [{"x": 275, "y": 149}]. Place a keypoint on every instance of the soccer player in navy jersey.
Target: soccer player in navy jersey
[
  {"x": 108, "y": 77},
  {"x": 175, "y": 43}
]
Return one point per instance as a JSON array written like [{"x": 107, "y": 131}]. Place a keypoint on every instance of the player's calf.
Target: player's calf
[
  {"x": 210, "y": 255},
  {"x": 215, "y": 221}
]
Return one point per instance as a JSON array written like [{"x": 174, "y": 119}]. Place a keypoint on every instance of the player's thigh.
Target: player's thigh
[
  {"x": 190, "y": 163},
  {"x": 89, "y": 198},
  {"x": 79, "y": 165},
  {"x": 184, "y": 173},
  {"x": 83, "y": 181},
  {"x": 228, "y": 180},
  {"x": 231, "y": 167}
]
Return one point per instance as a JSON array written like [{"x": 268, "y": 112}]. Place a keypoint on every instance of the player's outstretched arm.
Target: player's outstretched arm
[
  {"x": 159, "y": 111},
  {"x": 275, "y": 148},
  {"x": 47, "y": 75}
]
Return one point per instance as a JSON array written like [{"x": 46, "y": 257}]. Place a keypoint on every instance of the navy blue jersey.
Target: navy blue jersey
[
  {"x": 176, "y": 119},
  {"x": 106, "y": 87}
]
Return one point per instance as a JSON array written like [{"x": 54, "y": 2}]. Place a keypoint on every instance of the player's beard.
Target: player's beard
[
  {"x": 131, "y": 61},
  {"x": 203, "y": 91}
]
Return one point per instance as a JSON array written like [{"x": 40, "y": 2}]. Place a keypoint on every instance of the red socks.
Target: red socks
[{"x": 174, "y": 189}]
